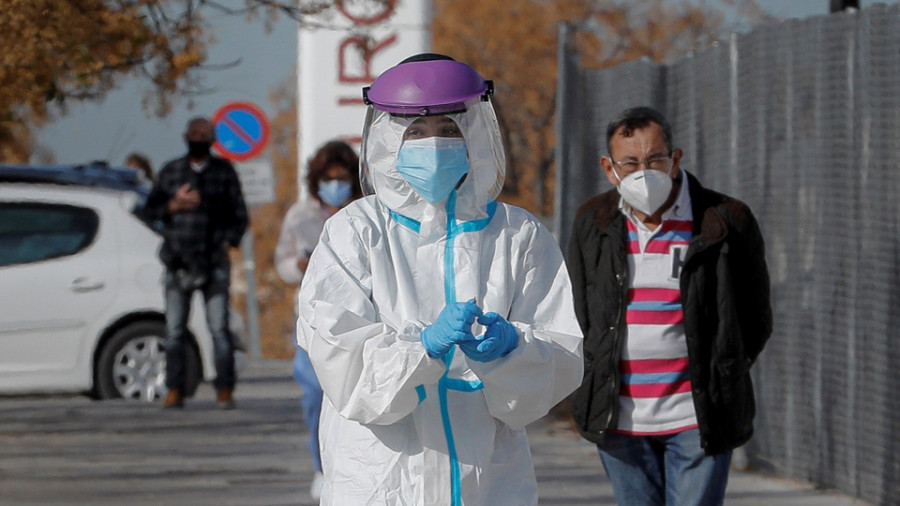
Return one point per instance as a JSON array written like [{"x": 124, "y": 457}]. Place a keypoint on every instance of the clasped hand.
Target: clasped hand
[
  {"x": 454, "y": 326},
  {"x": 499, "y": 339}
]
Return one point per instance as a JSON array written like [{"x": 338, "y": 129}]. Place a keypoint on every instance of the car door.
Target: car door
[{"x": 57, "y": 272}]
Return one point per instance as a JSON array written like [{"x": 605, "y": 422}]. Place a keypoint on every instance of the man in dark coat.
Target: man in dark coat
[
  {"x": 672, "y": 292},
  {"x": 197, "y": 203}
]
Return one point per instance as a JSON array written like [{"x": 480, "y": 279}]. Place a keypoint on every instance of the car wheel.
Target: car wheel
[{"x": 132, "y": 364}]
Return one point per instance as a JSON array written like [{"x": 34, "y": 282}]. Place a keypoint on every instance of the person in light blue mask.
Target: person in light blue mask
[
  {"x": 333, "y": 182},
  {"x": 440, "y": 321}
]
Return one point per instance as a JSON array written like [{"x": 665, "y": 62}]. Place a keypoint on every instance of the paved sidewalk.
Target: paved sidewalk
[{"x": 68, "y": 450}]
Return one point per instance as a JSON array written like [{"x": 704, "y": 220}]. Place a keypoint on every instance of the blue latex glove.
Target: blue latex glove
[
  {"x": 499, "y": 339},
  {"x": 452, "y": 326}
]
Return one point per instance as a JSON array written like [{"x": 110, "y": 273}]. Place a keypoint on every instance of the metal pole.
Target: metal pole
[
  {"x": 561, "y": 155},
  {"x": 250, "y": 297}
]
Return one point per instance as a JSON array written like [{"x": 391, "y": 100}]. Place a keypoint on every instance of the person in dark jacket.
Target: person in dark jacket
[
  {"x": 198, "y": 203},
  {"x": 671, "y": 290}
]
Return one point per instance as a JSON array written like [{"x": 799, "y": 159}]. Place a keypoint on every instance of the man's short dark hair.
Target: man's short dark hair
[
  {"x": 636, "y": 118},
  {"x": 199, "y": 119}
]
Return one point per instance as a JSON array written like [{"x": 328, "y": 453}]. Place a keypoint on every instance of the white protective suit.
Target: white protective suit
[
  {"x": 399, "y": 427},
  {"x": 300, "y": 232}
]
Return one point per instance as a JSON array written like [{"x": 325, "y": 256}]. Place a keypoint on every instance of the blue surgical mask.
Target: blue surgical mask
[
  {"x": 335, "y": 192},
  {"x": 433, "y": 166}
]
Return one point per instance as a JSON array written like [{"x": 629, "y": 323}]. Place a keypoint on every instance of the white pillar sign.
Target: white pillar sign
[{"x": 355, "y": 42}]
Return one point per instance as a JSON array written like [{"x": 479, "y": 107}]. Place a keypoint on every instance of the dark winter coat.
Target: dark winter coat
[
  {"x": 725, "y": 299},
  {"x": 196, "y": 239}
]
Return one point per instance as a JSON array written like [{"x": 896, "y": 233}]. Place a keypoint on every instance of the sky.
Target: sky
[{"x": 118, "y": 125}]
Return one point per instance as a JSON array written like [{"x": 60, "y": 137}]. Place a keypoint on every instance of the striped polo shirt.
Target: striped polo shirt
[{"x": 655, "y": 395}]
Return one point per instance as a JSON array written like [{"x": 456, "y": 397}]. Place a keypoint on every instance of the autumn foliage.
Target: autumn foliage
[
  {"x": 53, "y": 52},
  {"x": 74, "y": 50}
]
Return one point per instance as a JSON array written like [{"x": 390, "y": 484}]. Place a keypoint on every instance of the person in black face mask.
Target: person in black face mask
[{"x": 197, "y": 200}]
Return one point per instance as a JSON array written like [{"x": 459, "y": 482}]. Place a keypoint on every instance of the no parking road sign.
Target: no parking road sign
[{"x": 242, "y": 131}]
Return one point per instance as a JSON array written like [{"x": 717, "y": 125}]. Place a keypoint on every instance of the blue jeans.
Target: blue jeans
[
  {"x": 660, "y": 470},
  {"x": 311, "y": 401},
  {"x": 178, "y": 310}
]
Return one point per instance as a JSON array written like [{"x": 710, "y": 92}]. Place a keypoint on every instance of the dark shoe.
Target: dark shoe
[
  {"x": 174, "y": 399},
  {"x": 224, "y": 398}
]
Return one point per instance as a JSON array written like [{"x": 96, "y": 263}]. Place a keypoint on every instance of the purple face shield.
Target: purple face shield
[{"x": 425, "y": 88}]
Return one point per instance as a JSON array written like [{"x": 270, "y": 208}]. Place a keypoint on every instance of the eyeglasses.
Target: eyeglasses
[{"x": 660, "y": 163}]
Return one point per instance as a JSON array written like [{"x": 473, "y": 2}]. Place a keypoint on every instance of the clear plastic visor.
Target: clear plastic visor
[{"x": 384, "y": 133}]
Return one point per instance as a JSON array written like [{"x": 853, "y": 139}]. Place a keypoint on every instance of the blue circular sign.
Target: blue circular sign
[{"x": 242, "y": 131}]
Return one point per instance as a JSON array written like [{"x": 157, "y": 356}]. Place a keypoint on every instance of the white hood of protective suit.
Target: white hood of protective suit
[{"x": 399, "y": 428}]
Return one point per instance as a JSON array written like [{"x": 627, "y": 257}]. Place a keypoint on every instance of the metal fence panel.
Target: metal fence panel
[{"x": 801, "y": 120}]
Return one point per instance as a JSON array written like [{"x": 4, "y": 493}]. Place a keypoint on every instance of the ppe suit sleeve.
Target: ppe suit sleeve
[
  {"x": 547, "y": 365},
  {"x": 286, "y": 253},
  {"x": 368, "y": 368},
  {"x": 293, "y": 245}
]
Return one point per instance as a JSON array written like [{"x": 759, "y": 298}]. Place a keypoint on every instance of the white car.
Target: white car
[{"x": 81, "y": 295}]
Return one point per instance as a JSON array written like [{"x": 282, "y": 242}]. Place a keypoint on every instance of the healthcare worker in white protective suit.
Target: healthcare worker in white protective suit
[{"x": 439, "y": 322}]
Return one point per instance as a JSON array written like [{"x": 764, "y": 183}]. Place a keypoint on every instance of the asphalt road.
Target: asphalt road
[{"x": 70, "y": 450}]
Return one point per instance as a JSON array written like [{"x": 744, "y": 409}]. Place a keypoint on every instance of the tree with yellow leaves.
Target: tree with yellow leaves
[{"x": 53, "y": 52}]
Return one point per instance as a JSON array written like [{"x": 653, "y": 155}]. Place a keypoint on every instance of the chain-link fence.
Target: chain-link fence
[{"x": 801, "y": 120}]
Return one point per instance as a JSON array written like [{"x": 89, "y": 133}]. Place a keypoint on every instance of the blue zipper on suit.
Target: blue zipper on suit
[{"x": 454, "y": 229}]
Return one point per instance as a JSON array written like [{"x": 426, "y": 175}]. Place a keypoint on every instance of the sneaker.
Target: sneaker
[
  {"x": 224, "y": 398},
  {"x": 174, "y": 399},
  {"x": 315, "y": 490}
]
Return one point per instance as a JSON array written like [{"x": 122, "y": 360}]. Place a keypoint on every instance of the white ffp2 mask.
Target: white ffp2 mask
[{"x": 645, "y": 190}]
